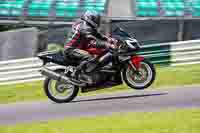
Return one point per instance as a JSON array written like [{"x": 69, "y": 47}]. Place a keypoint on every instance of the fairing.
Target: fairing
[{"x": 136, "y": 61}]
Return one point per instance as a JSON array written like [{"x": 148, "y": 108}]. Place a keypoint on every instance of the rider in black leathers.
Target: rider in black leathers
[{"x": 83, "y": 36}]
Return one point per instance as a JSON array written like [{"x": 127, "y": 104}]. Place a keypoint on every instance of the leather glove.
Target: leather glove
[
  {"x": 112, "y": 40},
  {"x": 112, "y": 43}
]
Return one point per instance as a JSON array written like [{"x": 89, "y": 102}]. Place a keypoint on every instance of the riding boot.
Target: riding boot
[{"x": 80, "y": 74}]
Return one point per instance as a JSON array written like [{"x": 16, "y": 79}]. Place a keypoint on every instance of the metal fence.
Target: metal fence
[{"x": 167, "y": 54}]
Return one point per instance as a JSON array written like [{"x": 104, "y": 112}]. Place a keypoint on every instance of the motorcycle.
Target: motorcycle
[{"x": 126, "y": 66}]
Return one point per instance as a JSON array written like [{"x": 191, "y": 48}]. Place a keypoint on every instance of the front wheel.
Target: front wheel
[
  {"x": 140, "y": 79},
  {"x": 59, "y": 92}
]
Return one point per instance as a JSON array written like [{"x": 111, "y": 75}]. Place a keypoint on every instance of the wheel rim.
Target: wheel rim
[
  {"x": 143, "y": 78},
  {"x": 60, "y": 90}
]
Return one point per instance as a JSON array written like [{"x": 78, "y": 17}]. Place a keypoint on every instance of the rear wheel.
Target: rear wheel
[
  {"x": 140, "y": 79},
  {"x": 60, "y": 92}
]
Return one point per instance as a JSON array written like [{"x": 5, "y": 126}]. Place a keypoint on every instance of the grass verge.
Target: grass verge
[
  {"x": 179, "y": 121},
  {"x": 166, "y": 77}
]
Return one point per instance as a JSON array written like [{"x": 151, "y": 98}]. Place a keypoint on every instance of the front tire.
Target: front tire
[
  {"x": 60, "y": 95},
  {"x": 146, "y": 76}
]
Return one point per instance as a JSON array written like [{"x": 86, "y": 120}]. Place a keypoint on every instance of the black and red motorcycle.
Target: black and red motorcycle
[{"x": 126, "y": 66}]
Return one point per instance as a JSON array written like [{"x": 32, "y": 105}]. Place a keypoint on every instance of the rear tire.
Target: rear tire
[
  {"x": 48, "y": 91},
  {"x": 139, "y": 86}
]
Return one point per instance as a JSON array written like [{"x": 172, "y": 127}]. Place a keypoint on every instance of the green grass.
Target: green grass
[
  {"x": 166, "y": 77},
  {"x": 21, "y": 92},
  {"x": 179, "y": 121}
]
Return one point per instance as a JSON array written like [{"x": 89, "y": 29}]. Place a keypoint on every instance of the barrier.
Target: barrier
[{"x": 167, "y": 54}]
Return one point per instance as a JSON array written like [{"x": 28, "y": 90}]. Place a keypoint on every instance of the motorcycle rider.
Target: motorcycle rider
[{"x": 82, "y": 43}]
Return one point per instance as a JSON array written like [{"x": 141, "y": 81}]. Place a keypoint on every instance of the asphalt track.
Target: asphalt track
[{"x": 129, "y": 101}]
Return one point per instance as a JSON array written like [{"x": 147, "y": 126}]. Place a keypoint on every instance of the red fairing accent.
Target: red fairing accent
[
  {"x": 95, "y": 51},
  {"x": 136, "y": 61}
]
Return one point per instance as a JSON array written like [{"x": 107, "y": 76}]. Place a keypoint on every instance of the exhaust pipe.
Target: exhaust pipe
[
  {"x": 49, "y": 73},
  {"x": 56, "y": 76}
]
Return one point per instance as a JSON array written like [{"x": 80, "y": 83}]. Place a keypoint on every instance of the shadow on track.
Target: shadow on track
[{"x": 119, "y": 97}]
